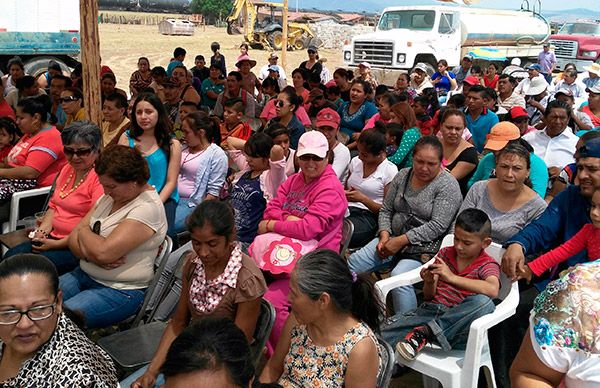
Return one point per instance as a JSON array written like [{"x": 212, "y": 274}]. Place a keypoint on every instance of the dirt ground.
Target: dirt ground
[{"x": 122, "y": 44}]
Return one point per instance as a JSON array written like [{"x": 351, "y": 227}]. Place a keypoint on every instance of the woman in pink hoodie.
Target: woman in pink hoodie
[{"x": 309, "y": 205}]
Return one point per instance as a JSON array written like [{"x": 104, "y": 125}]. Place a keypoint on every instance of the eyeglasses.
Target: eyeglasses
[
  {"x": 80, "y": 152},
  {"x": 308, "y": 157},
  {"x": 279, "y": 103},
  {"x": 67, "y": 99},
  {"x": 312, "y": 52},
  {"x": 39, "y": 313}
]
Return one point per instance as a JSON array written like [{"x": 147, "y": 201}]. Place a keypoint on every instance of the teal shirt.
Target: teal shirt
[
  {"x": 209, "y": 85},
  {"x": 538, "y": 174},
  {"x": 403, "y": 156}
]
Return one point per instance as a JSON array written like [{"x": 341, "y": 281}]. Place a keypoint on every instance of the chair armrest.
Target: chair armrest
[{"x": 407, "y": 278}]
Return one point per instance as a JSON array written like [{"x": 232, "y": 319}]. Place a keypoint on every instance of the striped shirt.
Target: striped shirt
[{"x": 480, "y": 269}]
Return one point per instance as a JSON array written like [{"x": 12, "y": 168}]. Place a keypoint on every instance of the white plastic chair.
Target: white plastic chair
[
  {"x": 459, "y": 368},
  {"x": 16, "y": 198}
]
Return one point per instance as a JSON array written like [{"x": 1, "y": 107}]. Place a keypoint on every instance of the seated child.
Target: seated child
[
  {"x": 587, "y": 238},
  {"x": 458, "y": 288},
  {"x": 424, "y": 122},
  {"x": 281, "y": 137},
  {"x": 334, "y": 95},
  {"x": 185, "y": 108},
  {"x": 393, "y": 137},
  {"x": 9, "y": 136},
  {"x": 233, "y": 126}
]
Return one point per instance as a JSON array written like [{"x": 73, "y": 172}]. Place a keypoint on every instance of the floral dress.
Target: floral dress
[
  {"x": 309, "y": 365},
  {"x": 565, "y": 325}
]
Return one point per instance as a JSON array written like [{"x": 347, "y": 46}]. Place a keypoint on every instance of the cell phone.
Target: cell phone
[{"x": 37, "y": 243}]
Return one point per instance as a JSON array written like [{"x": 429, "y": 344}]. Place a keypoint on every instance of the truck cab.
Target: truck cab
[
  {"x": 577, "y": 43},
  {"x": 405, "y": 36}
]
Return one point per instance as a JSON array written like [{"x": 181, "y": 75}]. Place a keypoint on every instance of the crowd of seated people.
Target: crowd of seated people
[{"x": 264, "y": 176}]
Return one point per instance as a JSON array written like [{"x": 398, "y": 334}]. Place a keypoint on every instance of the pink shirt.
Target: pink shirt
[
  {"x": 42, "y": 152},
  {"x": 68, "y": 211},
  {"x": 186, "y": 184},
  {"x": 376, "y": 117},
  {"x": 269, "y": 112}
]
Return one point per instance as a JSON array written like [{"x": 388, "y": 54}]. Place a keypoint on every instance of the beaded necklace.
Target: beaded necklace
[{"x": 62, "y": 194}]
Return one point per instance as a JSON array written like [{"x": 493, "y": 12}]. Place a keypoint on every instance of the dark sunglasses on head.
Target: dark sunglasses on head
[
  {"x": 67, "y": 99},
  {"x": 307, "y": 157},
  {"x": 80, "y": 152},
  {"x": 279, "y": 103}
]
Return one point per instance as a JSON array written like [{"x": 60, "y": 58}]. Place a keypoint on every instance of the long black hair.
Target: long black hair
[{"x": 164, "y": 126}]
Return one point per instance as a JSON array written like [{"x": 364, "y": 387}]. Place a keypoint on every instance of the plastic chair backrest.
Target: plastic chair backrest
[
  {"x": 159, "y": 265},
  {"x": 23, "y": 204},
  {"x": 387, "y": 364},
  {"x": 264, "y": 325},
  {"x": 347, "y": 231}
]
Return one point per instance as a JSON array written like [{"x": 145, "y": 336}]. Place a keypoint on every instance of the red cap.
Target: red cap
[
  {"x": 471, "y": 80},
  {"x": 517, "y": 112},
  {"x": 328, "y": 118}
]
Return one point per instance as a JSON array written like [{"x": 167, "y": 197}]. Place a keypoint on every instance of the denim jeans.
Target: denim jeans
[
  {"x": 100, "y": 306},
  {"x": 449, "y": 325},
  {"x": 63, "y": 259},
  {"x": 181, "y": 213},
  {"x": 367, "y": 260},
  {"x": 365, "y": 226},
  {"x": 170, "y": 208}
]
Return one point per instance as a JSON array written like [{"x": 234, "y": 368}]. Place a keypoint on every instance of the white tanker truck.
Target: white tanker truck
[{"x": 407, "y": 35}]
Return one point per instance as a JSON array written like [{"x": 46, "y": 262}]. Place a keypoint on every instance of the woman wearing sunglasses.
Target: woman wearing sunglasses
[
  {"x": 285, "y": 106},
  {"x": 71, "y": 101},
  {"x": 38, "y": 156},
  {"x": 41, "y": 347},
  {"x": 309, "y": 205},
  {"x": 312, "y": 65},
  {"x": 77, "y": 189}
]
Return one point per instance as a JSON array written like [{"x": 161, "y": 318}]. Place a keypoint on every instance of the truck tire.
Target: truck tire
[
  {"x": 275, "y": 39},
  {"x": 39, "y": 65}
]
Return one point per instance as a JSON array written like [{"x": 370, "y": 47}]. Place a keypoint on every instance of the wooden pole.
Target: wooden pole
[
  {"x": 90, "y": 59},
  {"x": 284, "y": 33}
]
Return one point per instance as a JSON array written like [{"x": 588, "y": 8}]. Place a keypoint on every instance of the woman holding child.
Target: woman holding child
[{"x": 417, "y": 212}]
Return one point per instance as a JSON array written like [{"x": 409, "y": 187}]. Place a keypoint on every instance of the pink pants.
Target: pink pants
[{"x": 277, "y": 294}]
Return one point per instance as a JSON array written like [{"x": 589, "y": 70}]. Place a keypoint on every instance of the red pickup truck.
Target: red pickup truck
[{"x": 577, "y": 43}]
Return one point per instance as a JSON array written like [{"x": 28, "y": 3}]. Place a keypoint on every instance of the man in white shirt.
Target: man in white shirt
[
  {"x": 556, "y": 144},
  {"x": 264, "y": 71},
  {"x": 569, "y": 82},
  {"x": 534, "y": 72}
]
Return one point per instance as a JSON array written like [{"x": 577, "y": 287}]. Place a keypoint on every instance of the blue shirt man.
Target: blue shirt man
[{"x": 480, "y": 120}]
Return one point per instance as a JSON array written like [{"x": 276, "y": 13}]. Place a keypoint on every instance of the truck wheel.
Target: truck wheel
[
  {"x": 300, "y": 43},
  {"x": 276, "y": 40},
  {"x": 37, "y": 66}
]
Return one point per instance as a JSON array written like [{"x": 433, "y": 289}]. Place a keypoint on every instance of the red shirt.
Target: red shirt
[
  {"x": 492, "y": 83},
  {"x": 42, "y": 152},
  {"x": 480, "y": 268},
  {"x": 6, "y": 111},
  {"x": 595, "y": 119}
]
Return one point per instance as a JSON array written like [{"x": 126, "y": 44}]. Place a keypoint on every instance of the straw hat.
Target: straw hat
[{"x": 594, "y": 68}]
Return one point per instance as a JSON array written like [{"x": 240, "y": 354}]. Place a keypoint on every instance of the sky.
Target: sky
[{"x": 548, "y": 5}]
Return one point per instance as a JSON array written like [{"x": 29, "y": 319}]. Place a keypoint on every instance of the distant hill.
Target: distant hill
[{"x": 571, "y": 15}]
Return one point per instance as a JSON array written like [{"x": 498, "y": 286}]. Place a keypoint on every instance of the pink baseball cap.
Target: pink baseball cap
[
  {"x": 328, "y": 118},
  {"x": 313, "y": 143}
]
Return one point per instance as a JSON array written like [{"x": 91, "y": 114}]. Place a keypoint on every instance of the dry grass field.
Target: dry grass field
[{"x": 122, "y": 44}]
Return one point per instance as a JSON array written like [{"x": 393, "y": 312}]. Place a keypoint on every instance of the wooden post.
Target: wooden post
[
  {"x": 284, "y": 33},
  {"x": 90, "y": 59}
]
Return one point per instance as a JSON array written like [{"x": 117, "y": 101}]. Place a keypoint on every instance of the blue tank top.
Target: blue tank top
[
  {"x": 158, "y": 165},
  {"x": 249, "y": 204}
]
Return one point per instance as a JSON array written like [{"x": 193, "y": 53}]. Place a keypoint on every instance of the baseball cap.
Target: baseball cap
[
  {"x": 537, "y": 86},
  {"x": 365, "y": 64},
  {"x": 312, "y": 47},
  {"x": 274, "y": 68},
  {"x": 328, "y": 118},
  {"x": 420, "y": 66},
  {"x": 313, "y": 143},
  {"x": 471, "y": 80},
  {"x": 468, "y": 57},
  {"x": 535, "y": 66},
  {"x": 273, "y": 56},
  {"x": 566, "y": 92},
  {"x": 517, "y": 112},
  {"x": 595, "y": 90},
  {"x": 547, "y": 44},
  {"x": 501, "y": 134},
  {"x": 171, "y": 82},
  {"x": 591, "y": 149}
]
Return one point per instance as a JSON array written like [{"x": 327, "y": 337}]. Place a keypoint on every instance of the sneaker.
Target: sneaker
[{"x": 412, "y": 344}]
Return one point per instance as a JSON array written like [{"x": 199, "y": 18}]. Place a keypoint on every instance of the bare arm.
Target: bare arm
[
  {"x": 73, "y": 241},
  {"x": 246, "y": 317},
  {"x": 363, "y": 364},
  {"x": 274, "y": 368},
  {"x": 489, "y": 287},
  {"x": 172, "y": 171},
  {"x": 462, "y": 169},
  {"x": 20, "y": 172}
]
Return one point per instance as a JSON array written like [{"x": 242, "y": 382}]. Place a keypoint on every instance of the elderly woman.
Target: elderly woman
[
  {"x": 117, "y": 242},
  {"x": 38, "y": 156},
  {"x": 115, "y": 121},
  {"x": 218, "y": 281},
  {"x": 41, "y": 347},
  {"x": 507, "y": 199},
  {"x": 328, "y": 340},
  {"x": 309, "y": 205},
  {"x": 141, "y": 78},
  {"x": 417, "y": 212},
  {"x": 402, "y": 113},
  {"x": 356, "y": 112},
  {"x": 71, "y": 102},
  {"x": 77, "y": 189},
  {"x": 460, "y": 156}
]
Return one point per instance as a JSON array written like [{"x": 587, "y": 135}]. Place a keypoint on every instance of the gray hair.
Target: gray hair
[{"x": 83, "y": 132}]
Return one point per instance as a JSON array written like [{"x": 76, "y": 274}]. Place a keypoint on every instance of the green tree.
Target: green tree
[{"x": 212, "y": 9}]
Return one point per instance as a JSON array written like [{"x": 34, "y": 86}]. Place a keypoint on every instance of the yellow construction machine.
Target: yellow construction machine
[{"x": 262, "y": 28}]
